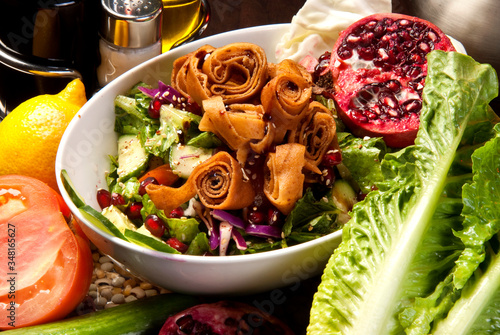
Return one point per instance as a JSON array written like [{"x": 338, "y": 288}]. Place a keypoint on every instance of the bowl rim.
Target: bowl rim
[{"x": 59, "y": 166}]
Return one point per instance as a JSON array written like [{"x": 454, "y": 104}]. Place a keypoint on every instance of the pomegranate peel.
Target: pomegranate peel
[{"x": 378, "y": 68}]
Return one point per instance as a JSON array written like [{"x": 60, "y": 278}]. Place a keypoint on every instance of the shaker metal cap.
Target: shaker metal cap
[{"x": 131, "y": 23}]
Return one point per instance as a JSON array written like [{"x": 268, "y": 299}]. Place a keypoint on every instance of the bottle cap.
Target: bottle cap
[{"x": 131, "y": 23}]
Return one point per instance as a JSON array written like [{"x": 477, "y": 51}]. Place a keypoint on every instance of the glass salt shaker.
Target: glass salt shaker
[{"x": 130, "y": 34}]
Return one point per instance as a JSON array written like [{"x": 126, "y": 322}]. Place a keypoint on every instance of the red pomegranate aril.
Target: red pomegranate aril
[
  {"x": 177, "y": 245},
  {"x": 134, "y": 210},
  {"x": 117, "y": 199},
  {"x": 154, "y": 109},
  {"x": 411, "y": 106},
  {"x": 103, "y": 198},
  {"x": 176, "y": 213},
  {"x": 146, "y": 182},
  {"x": 273, "y": 217},
  {"x": 331, "y": 158},
  {"x": 256, "y": 217},
  {"x": 155, "y": 225},
  {"x": 327, "y": 176}
]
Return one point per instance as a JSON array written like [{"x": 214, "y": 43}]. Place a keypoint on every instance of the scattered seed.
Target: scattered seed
[
  {"x": 118, "y": 281},
  {"x": 108, "y": 266},
  {"x": 138, "y": 292},
  {"x": 118, "y": 298}
]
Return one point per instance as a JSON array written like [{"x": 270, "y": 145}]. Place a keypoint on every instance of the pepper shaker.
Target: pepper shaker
[{"x": 130, "y": 34}]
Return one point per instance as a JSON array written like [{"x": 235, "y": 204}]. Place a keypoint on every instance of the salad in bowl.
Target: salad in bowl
[{"x": 247, "y": 162}]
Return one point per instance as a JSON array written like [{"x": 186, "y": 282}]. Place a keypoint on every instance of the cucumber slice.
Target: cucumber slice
[
  {"x": 118, "y": 218},
  {"x": 143, "y": 316},
  {"x": 132, "y": 157},
  {"x": 70, "y": 188},
  {"x": 343, "y": 195},
  {"x": 100, "y": 221},
  {"x": 184, "y": 158},
  {"x": 150, "y": 242}
]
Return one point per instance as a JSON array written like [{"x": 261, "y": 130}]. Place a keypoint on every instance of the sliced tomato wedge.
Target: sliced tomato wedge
[
  {"x": 48, "y": 267},
  {"x": 163, "y": 175}
]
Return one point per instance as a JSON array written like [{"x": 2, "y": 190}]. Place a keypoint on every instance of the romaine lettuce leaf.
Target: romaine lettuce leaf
[
  {"x": 362, "y": 157},
  {"x": 472, "y": 287},
  {"x": 399, "y": 243}
]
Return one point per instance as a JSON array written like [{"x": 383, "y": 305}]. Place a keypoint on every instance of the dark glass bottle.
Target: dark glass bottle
[{"x": 44, "y": 44}]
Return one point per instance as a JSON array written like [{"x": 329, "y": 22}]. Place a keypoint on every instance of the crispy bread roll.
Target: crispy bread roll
[
  {"x": 236, "y": 72},
  {"x": 286, "y": 96},
  {"x": 283, "y": 178},
  {"x": 168, "y": 198},
  {"x": 187, "y": 77},
  {"x": 220, "y": 183},
  {"x": 237, "y": 125},
  {"x": 317, "y": 131}
]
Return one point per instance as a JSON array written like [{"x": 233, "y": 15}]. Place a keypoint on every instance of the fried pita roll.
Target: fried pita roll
[
  {"x": 220, "y": 183},
  {"x": 317, "y": 131},
  {"x": 237, "y": 125},
  {"x": 286, "y": 96},
  {"x": 283, "y": 177},
  {"x": 236, "y": 72},
  {"x": 188, "y": 79},
  {"x": 168, "y": 198}
]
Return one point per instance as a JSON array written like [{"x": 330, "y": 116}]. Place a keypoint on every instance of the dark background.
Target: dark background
[{"x": 234, "y": 14}]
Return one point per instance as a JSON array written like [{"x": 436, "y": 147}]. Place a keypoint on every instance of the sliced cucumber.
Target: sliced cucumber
[
  {"x": 143, "y": 316},
  {"x": 138, "y": 237},
  {"x": 343, "y": 195},
  {"x": 184, "y": 158},
  {"x": 100, "y": 221},
  {"x": 118, "y": 218},
  {"x": 70, "y": 188},
  {"x": 132, "y": 157}
]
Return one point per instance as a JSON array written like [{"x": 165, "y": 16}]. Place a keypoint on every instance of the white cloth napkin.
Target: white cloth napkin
[{"x": 316, "y": 26}]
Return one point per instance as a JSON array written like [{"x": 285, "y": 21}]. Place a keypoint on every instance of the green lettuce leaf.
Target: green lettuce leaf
[
  {"x": 471, "y": 288},
  {"x": 362, "y": 157},
  {"x": 399, "y": 243},
  {"x": 308, "y": 213}
]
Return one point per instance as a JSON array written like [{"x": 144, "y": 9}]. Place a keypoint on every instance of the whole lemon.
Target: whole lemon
[{"x": 30, "y": 134}]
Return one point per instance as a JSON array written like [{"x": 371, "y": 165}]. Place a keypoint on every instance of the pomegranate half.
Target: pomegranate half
[
  {"x": 378, "y": 68},
  {"x": 224, "y": 317}
]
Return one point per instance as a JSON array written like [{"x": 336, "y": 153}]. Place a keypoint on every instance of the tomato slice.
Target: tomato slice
[
  {"x": 163, "y": 175},
  {"x": 48, "y": 268}
]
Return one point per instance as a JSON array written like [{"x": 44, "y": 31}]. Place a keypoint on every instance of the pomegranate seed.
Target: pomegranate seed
[
  {"x": 117, "y": 199},
  {"x": 176, "y": 213},
  {"x": 177, "y": 245},
  {"x": 192, "y": 107},
  {"x": 134, "y": 211},
  {"x": 328, "y": 176},
  {"x": 146, "y": 182},
  {"x": 256, "y": 217},
  {"x": 332, "y": 157},
  {"x": 155, "y": 225},
  {"x": 103, "y": 198},
  {"x": 154, "y": 109},
  {"x": 273, "y": 216}
]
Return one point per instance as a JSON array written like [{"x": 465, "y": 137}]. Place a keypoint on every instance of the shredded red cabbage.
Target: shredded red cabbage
[
  {"x": 238, "y": 238},
  {"x": 214, "y": 237},
  {"x": 263, "y": 231},
  {"x": 232, "y": 219},
  {"x": 166, "y": 94},
  {"x": 226, "y": 230}
]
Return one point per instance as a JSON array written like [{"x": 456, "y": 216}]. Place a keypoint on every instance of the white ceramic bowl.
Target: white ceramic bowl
[{"x": 83, "y": 153}]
